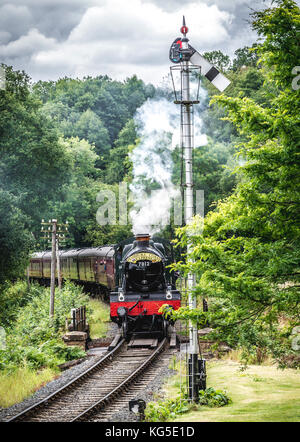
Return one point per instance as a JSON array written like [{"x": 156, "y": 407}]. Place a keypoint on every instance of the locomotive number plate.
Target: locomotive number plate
[{"x": 144, "y": 257}]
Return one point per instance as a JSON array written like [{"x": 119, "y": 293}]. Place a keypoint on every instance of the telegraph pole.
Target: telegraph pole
[
  {"x": 58, "y": 265},
  {"x": 53, "y": 265},
  {"x": 61, "y": 233},
  {"x": 56, "y": 238}
]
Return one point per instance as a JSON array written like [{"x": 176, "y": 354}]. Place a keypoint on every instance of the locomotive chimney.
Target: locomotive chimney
[{"x": 142, "y": 239}]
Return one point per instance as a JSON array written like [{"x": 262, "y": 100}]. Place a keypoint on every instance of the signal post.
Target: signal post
[{"x": 188, "y": 60}]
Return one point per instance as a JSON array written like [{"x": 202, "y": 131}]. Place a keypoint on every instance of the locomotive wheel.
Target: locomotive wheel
[
  {"x": 124, "y": 329},
  {"x": 165, "y": 328}
]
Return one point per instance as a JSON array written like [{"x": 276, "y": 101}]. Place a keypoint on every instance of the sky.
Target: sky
[{"x": 50, "y": 39}]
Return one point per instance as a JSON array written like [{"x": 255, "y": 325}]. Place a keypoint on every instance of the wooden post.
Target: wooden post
[
  {"x": 73, "y": 316},
  {"x": 58, "y": 265},
  {"x": 28, "y": 278},
  {"x": 53, "y": 265}
]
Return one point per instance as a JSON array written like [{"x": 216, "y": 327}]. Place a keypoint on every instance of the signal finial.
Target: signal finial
[{"x": 184, "y": 29}]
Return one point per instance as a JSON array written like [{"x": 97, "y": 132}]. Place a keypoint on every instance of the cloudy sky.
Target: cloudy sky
[{"x": 53, "y": 38}]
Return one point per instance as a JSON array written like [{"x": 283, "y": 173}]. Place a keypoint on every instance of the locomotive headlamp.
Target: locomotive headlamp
[
  {"x": 121, "y": 295},
  {"x": 122, "y": 312},
  {"x": 169, "y": 293}
]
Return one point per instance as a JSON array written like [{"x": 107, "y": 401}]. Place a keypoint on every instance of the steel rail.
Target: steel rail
[
  {"x": 68, "y": 386},
  {"x": 102, "y": 403}
]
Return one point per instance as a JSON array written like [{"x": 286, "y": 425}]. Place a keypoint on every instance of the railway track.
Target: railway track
[{"x": 100, "y": 390}]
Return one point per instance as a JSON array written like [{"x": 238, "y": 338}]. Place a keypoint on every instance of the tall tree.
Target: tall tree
[
  {"x": 246, "y": 56},
  {"x": 33, "y": 166},
  {"x": 77, "y": 204},
  {"x": 15, "y": 239},
  {"x": 118, "y": 163},
  {"x": 219, "y": 59}
]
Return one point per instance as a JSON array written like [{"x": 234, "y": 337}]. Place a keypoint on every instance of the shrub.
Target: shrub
[
  {"x": 213, "y": 398},
  {"x": 162, "y": 411},
  {"x": 34, "y": 339},
  {"x": 12, "y": 298}
]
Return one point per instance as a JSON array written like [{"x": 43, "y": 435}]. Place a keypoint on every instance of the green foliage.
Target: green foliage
[
  {"x": 15, "y": 239},
  {"x": 107, "y": 234},
  {"x": 162, "y": 411},
  {"x": 33, "y": 165},
  {"x": 78, "y": 204},
  {"x": 109, "y": 102},
  {"x": 95, "y": 117},
  {"x": 33, "y": 162},
  {"x": 12, "y": 298},
  {"x": 244, "y": 57},
  {"x": 213, "y": 398},
  {"x": 278, "y": 27},
  {"x": 33, "y": 339},
  {"x": 218, "y": 59},
  {"x": 91, "y": 128},
  {"x": 119, "y": 165}
]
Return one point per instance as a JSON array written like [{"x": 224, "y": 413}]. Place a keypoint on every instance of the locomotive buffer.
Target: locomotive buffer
[{"x": 189, "y": 62}]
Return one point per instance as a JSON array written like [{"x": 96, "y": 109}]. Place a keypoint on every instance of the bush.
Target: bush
[
  {"x": 162, "y": 411},
  {"x": 12, "y": 298},
  {"x": 34, "y": 340},
  {"x": 213, "y": 398}
]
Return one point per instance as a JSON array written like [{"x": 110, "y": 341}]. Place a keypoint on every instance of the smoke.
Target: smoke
[{"x": 152, "y": 190}]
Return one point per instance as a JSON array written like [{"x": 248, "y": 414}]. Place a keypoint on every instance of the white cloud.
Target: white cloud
[
  {"x": 118, "y": 38},
  {"x": 26, "y": 45}
]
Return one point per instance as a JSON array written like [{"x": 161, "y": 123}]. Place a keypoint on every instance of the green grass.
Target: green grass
[
  {"x": 16, "y": 386},
  {"x": 99, "y": 318},
  {"x": 259, "y": 394},
  {"x": 24, "y": 381}
]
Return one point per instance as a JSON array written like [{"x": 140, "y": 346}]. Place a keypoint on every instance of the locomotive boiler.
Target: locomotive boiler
[{"x": 133, "y": 274}]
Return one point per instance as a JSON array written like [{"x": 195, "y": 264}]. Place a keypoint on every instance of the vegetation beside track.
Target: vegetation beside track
[
  {"x": 260, "y": 393},
  {"x": 22, "y": 382},
  {"x": 99, "y": 318},
  {"x": 34, "y": 348}
]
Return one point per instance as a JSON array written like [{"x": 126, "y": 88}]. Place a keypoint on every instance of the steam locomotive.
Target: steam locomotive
[{"x": 134, "y": 275}]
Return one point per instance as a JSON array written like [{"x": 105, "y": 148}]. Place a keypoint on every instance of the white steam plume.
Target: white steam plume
[{"x": 158, "y": 123}]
